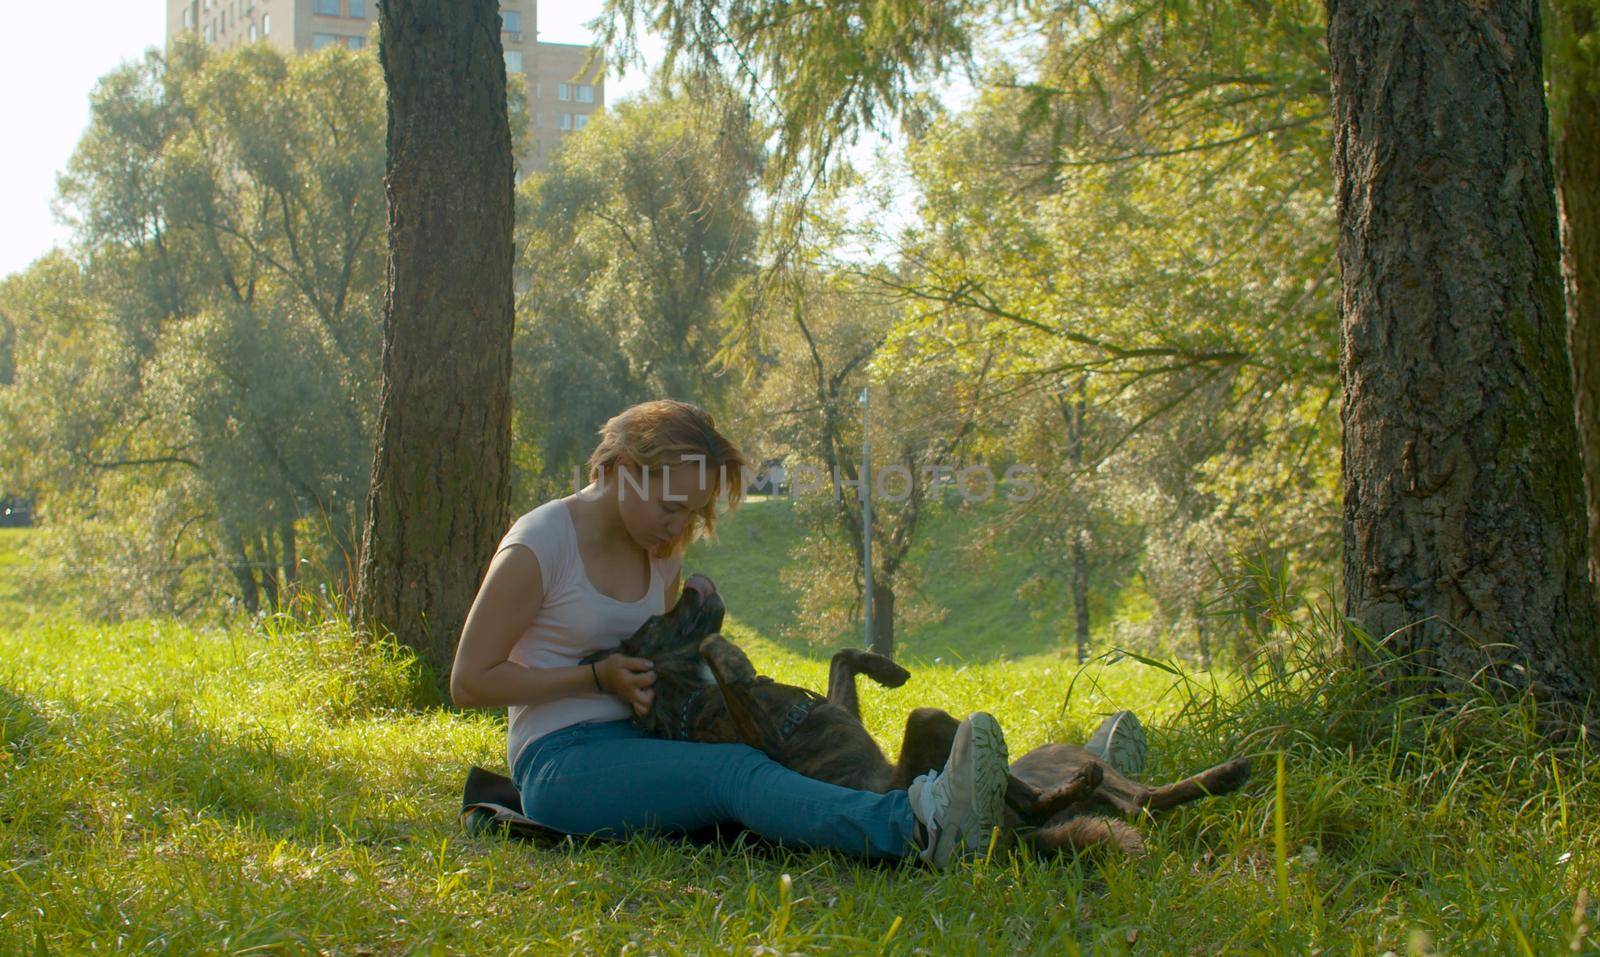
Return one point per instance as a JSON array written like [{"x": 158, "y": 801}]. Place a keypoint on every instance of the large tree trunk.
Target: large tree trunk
[
  {"x": 1575, "y": 126},
  {"x": 1464, "y": 541},
  {"x": 441, "y": 472}
]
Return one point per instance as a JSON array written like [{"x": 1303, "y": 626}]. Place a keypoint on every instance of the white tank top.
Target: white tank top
[{"x": 574, "y": 620}]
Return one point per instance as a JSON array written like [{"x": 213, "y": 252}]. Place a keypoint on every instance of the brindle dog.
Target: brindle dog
[{"x": 1058, "y": 796}]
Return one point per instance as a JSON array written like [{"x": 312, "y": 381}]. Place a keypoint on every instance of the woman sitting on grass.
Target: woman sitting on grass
[{"x": 563, "y": 583}]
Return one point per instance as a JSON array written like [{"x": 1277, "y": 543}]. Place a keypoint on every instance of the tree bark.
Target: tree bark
[
  {"x": 243, "y": 576},
  {"x": 883, "y": 619},
  {"x": 269, "y": 569},
  {"x": 1464, "y": 542},
  {"x": 1575, "y": 129},
  {"x": 1074, "y": 414},
  {"x": 441, "y": 471}
]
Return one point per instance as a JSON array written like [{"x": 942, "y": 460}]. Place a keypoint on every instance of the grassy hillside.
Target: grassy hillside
[
  {"x": 172, "y": 788},
  {"x": 11, "y": 562},
  {"x": 983, "y": 616}
]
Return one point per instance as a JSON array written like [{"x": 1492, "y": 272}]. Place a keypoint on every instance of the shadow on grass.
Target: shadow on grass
[
  {"x": 21, "y": 726},
  {"x": 149, "y": 765},
  {"x": 146, "y": 765}
]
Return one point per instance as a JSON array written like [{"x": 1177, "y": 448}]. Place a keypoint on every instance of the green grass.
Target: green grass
[
  {"x": 12, "y": 560},
  {"x": 166, "y": 787},
  {"x": 983, "y": 617}
]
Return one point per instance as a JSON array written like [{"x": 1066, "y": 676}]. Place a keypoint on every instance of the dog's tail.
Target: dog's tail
[{"x": 1079, "y": 834}]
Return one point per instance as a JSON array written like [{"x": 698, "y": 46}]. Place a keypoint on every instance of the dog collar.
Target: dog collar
[
  {"x": 797, "y": 715},
  {"x": 683, "y": 716}
]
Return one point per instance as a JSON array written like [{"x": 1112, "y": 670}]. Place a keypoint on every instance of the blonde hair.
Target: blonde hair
[{"x": 660, "y": 433}]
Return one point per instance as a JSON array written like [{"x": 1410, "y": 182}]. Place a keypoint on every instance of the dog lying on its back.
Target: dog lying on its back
[
  {"x": 706, "y": 690},
  {"x": 1058, "y": 796}
]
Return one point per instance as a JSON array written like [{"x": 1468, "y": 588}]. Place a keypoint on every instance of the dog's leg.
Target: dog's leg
[
  {"x": 1218, "y": 780},
  {"x": 842, "y": 683},
  {"x": 1086, "y": 834},
  {"x": 1034, "y": 805},
  {"x": 930, "y": 733},
  {"x": 734, "y": 673},
  {"x": 844, "y": 667}
]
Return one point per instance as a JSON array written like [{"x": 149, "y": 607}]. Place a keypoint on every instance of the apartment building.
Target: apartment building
[{"x": 562, "y": 95}]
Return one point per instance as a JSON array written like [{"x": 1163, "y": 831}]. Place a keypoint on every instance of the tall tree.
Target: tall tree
[
  {"x": 816, "y": 353},
  {"x": 628, "y": 248},
  {"x": 218, "y": 324},
  {"x": 441, "y": 471},
  {"x": 1142, "y": 198},
  {"x": 1464, "y": 508},
  {"x": 1575, "y": 131}
]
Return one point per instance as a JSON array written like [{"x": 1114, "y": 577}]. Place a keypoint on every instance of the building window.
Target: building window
[
  {"x": 358, "y": 9},
  {"x": 252, "y": 33},
  {"x": 266, "y": 24},
  {"x": 188, "y": 18},
  {"x": 211, "y": 32},
  {"x": 566, "y": 121},
  {"x": 513, "y": 61},
  {"x": 511, "y": 21},
  {"x": 320, "y": 40},
  {"x": 585, "y": 93},
  {"x": 356, "y": 43},
  {"x": 579, "y": 121},
  {"x": 538, "y": 120},
  {"x": 327, "y": 8},
  {"x": 564, "y": 92}
]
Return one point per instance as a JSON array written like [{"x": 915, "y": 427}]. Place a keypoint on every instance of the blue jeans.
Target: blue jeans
[{"x": 610, "y": 778}]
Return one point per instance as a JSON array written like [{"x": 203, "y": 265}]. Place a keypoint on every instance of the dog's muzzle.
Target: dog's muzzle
[{"x": 701, "y": 584}]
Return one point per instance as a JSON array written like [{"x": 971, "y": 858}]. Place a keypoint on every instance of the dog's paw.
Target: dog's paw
[{"x": 879, "y": 668}]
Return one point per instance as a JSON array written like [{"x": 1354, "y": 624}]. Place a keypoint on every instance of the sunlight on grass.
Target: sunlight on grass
[
  {"x": 273, "y": 788},
  {"x": 983, "y": 617}
]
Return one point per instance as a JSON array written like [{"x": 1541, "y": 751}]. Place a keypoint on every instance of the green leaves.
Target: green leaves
[
  {"x": 821, "y": 71},
  {"x": 628, "y": 248},
  {"x": 205, "y": 373}
]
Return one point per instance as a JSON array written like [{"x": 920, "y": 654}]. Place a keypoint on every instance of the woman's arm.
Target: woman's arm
[{"x": 483, "y": 676}]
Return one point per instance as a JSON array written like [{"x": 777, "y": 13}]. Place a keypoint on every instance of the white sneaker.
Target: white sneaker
[
  {"x": 961, "y": 806},
  {"x": 1119, "y": 742}
]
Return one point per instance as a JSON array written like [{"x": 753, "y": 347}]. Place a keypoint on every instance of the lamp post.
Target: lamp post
[{"x": 866, "y": 514}]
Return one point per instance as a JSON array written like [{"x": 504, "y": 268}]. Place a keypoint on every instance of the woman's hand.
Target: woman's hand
[{"x": 629, "y": 679}]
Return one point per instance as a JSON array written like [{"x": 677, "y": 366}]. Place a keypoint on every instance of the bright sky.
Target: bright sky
[{"x": 47, "y": 84}]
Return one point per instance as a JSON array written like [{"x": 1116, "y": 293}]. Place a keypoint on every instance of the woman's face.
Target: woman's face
[{"x": 657, "y": 503}]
